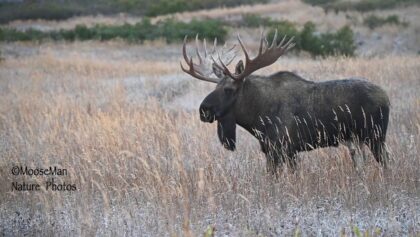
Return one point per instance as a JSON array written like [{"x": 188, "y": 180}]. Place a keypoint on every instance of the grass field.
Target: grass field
[{"x": 123, "y": 120}]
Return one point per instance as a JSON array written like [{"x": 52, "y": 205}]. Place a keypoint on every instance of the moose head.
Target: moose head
[{"x": 220, "y": 104}]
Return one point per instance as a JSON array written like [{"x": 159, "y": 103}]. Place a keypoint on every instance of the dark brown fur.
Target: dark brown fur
[{"x": 289, "y": 114}]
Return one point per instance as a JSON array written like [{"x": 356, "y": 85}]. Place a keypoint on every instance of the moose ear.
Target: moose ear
[
  {"x": 226, "y": 130},
  {"x": 218, "y": 71},
  {"x": 239, "y": 67}
]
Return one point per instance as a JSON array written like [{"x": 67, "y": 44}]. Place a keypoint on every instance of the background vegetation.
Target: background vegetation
[
  {"x": 63, "y": 9},
  {"x": 307, "y": 39},
  {"x": 170, "y": 30},
  {"x": 373, "y": 21},
  {"x": 361, "y": 5}
]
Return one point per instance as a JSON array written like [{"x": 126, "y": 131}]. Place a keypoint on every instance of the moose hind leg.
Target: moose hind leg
[
  {"x": 355, "y": 155},
  {"x": 363, "y": 151},
  {"x": 272, "y": 163},
  {"x": 292, "y": 162},
  {"x": 272, "y": 160},
  {"x": 380, "y": 152},
  {"x": 277, "y": 159}
]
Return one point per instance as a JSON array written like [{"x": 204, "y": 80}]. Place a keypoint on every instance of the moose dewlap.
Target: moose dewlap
[{"x": 285, "y": 112}]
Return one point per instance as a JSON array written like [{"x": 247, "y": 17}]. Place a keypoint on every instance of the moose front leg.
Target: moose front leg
[
  {"x": 273, "y": 160},
  {"x": 272, "y": 164},
  {"x": 291, "y": 160},
  {"x": 276, "y": 157}
]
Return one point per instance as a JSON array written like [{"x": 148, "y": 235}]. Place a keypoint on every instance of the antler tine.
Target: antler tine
[
  {"x": 205, "y": 47},
  {"x": 226, "y": 50},
  {"x": 192, "y": 71},
  {"x": 216, "y": 64},
  {"x": 274, "y": 43},
  {"x": 228, "y": 58},
  {"x": 214, "y": 46},
  {"x": 261, "y": 42},
  {"x": 225, "y": 69},
  {"x": 196, "y": 48},
  {"x": 290, "y": 46},
  {"x": 266, "y": 43},
  {"x": 184, "y": 49},
  {"x": 232, "y": 58},
  {"x": 264, "y": 58},
  {"x": 231, "y": 48},
  {"x": 219, "y": 62},
  {"x": 230, "y": 61},
  {"x": 267, "y": 55},
  {"x": 282, "y": 41},
  {"x": 290, "y": 43},
  {"x": 243, "y": 49}
]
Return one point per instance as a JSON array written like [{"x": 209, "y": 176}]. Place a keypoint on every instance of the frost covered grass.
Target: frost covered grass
[{"x": 123, "y": 121}]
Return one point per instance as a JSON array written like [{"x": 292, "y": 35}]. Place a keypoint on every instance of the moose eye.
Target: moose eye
[{"x": 228, "y": 91}]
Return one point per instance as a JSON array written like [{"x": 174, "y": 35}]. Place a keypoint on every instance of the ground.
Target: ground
[{"x": 123, "y": 120}]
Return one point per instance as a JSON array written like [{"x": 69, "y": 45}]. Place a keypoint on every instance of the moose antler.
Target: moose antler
[
  {"x": 265, "y": 57},
  {"x": 203, "y": 69}
]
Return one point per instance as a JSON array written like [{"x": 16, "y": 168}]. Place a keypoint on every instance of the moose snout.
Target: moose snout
[{"x": 207, "y": 114}]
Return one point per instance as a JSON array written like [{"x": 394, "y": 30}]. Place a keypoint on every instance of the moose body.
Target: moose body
[{"x": 289, "y": 114}]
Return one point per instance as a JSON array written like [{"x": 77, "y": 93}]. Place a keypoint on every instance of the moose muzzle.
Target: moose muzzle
[{"x": 207, "y": 114}]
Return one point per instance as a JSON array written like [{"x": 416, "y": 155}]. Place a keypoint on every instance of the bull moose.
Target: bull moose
[{"x": 285, "y": 112}]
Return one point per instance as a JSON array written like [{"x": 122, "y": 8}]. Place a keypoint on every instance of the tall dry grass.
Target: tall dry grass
[{"x": 144, "y": 164}]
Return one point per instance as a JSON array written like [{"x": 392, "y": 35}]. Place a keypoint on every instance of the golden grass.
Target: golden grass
[{"x": 148, "y": 166}]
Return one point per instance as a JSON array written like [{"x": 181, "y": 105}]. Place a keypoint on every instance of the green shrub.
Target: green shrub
[
  {"x": 161, "y": 7},
  {"x": 361, "y": 5},
  {"x": 175, "y": 31},
  {"x": 374, "y": 21},
  {"x": 28, "y": 10},
  {"x": 253, "y": 20},
  {"x": 370, "y": 5},
  {"x": 81, "y": 32},
  {"x": 308, "y": 39},
  {"x": 170, "y": 29},
  {"x": 318, "y": 2},
  {"x": 285, "y": 29},
  {"x": 7, "y": 34},
  {"x": 168, "y": 6},
  {"x": 338, "y": 43}
]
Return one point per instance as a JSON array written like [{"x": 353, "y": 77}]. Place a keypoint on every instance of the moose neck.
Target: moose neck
[{"x": 249, "y": 103}]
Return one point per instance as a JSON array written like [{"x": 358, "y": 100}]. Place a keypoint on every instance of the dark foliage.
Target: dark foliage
[
  {"x": 374, "y": 21},
  {"x": 170, "y": 30},
  {"x": 361, "y": 5},
  {"x": 63, "y": 9}
]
